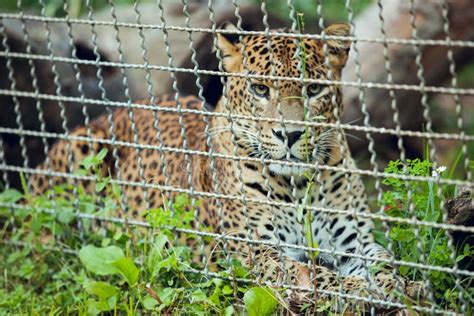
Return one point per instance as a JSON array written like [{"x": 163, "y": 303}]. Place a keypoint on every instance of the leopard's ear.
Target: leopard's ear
[
  {"x": 229, "y": 48},
  {"x": 338, "y": 49}
]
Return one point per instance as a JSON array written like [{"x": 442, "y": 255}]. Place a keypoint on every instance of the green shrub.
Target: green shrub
[
  {"x": 59, "y": 263},
  {"x": 121, "y": 268},
  {"x": 420, "y": 243}
]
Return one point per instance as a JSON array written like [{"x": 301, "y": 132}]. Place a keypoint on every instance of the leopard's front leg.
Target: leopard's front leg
[
  {"x": 315, "y": 285},
  {"x": 308, "y": 285},
  {"x": 352, "y": 234}
]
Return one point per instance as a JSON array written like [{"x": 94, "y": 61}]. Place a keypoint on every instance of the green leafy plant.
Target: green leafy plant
[
  {"x": 260, "y": 301},
  {"x": 64, "y": 264},
  {"x": 423, "y": 244},
  {"x": 332, "y": 10}
]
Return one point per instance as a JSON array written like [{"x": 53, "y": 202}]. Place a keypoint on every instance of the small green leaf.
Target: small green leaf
[
  {"x": 93, "y": 307},
  {"x": 198, "y": 296},
  {"x": 87, "y": 162},
  {"x": 93, "y": 161},
  {"x": 167, "y": 295},
  {"x": 227, "y": 290},
  {"x": 229, "y": 311},
  {"x": 402, "y": 235},
  {"x": 111, "y": 302},
  {"x": 81, "y": 172},
  {"x": 106, "y": 293},
  {"x": 460, "y": 257},
  {"x": 100, "y": 185},
  {"x": 260, "y": 301},
  {"x": 432, "y": 217},
  {"x": 36, "y": 224},
  {"x": 101, "y": 155},
  {"x": 116, "y": 191},
  {"x": 100, "y": 260},
  {"x": 24, "y": 186},
  {"x": 380, "y": 238},
  {"x": 149, "y": 303},
  {"x": 467, "y": 250},
  {"x": 127, "y": 269},
  {"x": 66, "y": 215},
  {"x": 10, "y": 196},
  {"x": 160, "y": 242},
  {"x": 102, "y": 290},
  {"x": 404, "y": 270},
  {"x": 118, "y": 234}
]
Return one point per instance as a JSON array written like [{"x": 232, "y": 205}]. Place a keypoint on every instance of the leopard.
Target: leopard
[{"x": 268, "y": 183}]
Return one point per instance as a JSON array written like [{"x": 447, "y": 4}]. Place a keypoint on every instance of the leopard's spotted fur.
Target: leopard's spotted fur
[{"x": 344, "y": 231}]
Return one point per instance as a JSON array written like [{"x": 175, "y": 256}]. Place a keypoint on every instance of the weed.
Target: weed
[
  {"x": 420, "y": 201},
  {"x": 64, "y": 265}
]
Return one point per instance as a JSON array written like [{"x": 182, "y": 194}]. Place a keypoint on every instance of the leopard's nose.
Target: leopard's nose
[{"x": 292, "y": 137}]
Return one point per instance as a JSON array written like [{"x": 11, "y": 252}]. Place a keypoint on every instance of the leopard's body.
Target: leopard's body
[{"x": 166, "y": 166}]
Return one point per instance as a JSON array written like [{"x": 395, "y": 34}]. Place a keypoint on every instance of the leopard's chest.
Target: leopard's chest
[
  {"x": 284, "y": 211},
  {"x": 301, "y": 220}
]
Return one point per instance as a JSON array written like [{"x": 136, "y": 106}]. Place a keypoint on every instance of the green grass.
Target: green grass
[
  {"x": 333, "y": 10},
  {"x": 55, "y": 263}
]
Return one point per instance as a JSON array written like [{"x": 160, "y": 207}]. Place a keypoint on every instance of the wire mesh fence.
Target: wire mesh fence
[{"x": 240, "y": 147}]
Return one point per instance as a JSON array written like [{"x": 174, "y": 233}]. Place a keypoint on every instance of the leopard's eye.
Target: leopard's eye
[
  {"x": 314, "y": 89},
  {"x": 260, "y": 89}
]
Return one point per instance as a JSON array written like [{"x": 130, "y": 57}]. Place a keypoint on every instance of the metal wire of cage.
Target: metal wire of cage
[{"x": 84, "y": 84}]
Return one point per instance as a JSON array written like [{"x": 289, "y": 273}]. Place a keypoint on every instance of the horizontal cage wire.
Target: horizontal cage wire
[{"x": 237, "y": 157}]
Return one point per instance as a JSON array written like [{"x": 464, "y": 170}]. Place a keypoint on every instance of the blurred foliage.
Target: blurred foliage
[
  {"x": 466, "y": 76},
  {"x": 58, "y": 8},
  {"x": 332, "y": 10}
]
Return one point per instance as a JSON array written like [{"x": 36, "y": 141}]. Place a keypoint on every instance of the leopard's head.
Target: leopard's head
[{"x": 278, "y": 100}]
